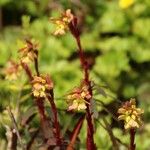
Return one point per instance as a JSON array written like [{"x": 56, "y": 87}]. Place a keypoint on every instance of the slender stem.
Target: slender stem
[
  {"x": 40, "y": 105},
  {"x": 75, "y": 133},
  {"x": 83, "y": 61},
  {"x": 132, "y": 138},
  {"x": 90, "y": 130},
  {"x": 56, "y": 122},
  {"x": 51, "y": 100},
  {"x": 27, "y": 70},
  {"x": 36, "y": 63},
  {"x": 39, "y": 101}
]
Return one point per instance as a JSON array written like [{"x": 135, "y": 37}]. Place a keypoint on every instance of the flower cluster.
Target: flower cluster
[
  {"x": 77, "y": 98},
  {"x": 12, "y": 70},
  {"x": 28, "y": 52},
  {"x": 40, "y": 84},
  {"x": 125, "y": 3},
  {"x": 130, "y": 114},
  {"x": 62, "y": 22}
]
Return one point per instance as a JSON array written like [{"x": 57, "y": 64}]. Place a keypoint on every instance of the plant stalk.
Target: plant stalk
[
  {"x": 132, "y": 139},
  {"x": 56, "y": 122},
  {"x": 90, "y": 129},
  {"x": 53, "y": 106}
]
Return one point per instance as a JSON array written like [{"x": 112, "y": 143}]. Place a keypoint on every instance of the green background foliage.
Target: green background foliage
[{"x": 116, "y": 42}]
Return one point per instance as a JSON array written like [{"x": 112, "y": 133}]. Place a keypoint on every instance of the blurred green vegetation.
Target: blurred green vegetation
[{"x": 116, "y": 42}]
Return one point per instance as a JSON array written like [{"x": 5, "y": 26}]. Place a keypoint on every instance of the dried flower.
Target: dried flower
[
  {"x": 28, "y": 52},
  {"x": 130, "y": 114},
  {"x": 40, "y": 85},
  {"x": 125, "y": 3},
  {"x": 62, "y": 22},
  {"x": 77, "y": 98},
  {"x": 12, "y": 70}
]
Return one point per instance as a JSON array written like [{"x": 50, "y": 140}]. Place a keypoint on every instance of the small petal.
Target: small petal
[
  {"x": 36, "y": 93},
  {"x": 82, "y": 106},
  {"x": 121, "y": 110},
  {"x": 121, "y": 117}
]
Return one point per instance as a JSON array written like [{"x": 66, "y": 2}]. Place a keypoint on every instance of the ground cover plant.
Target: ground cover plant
[{"x": 73, "y": 98}]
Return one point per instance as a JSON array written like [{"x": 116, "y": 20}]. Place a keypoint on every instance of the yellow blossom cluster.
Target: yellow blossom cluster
[
  {"x": 40, "y": 85},
  {"x": 77, "y": 98},
  {"x": 28, "y": 52},
  {"x": 130, "y": 114},
  {"x": 62, "y": 22}
]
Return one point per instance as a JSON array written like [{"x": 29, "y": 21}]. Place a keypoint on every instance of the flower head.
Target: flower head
[
  {"x": 62, "y": 22},
  {"x": 77, "y": 98},
  {"x": 12, "y": 70},
  {"x": 40, "y": 85},
  {"x": 130, "y": 114},
  {"x": 28, "y": 52},
  {"x": 125, "y": 3}
]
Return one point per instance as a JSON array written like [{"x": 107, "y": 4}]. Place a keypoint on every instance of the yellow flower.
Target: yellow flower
[
  {"x": 28, "y": 52},
  {"x": 40, "y": 85},
  {"x": 61, "y": 28},
  {"x": 62, "y": 22},
  {"x": 130, "y": 114},
  {"x": 78, "y": 104},
  {"x": 125, "y": 3},
  {"x": 77, "y": 98}
]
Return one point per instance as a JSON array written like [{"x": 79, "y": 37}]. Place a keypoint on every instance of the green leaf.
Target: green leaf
[
  {"x": 141, "y": 27},
  {"x": 111, "y": 64}
]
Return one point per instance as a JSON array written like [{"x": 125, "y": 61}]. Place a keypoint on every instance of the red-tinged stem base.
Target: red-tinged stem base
[
  {"x": 132, "y": 139},
  {"x": 90, "y": 131},
  {"x": 56, "y": 123}
]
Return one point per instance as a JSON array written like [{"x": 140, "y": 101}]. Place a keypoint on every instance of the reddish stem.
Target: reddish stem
[
  {"x": 75, "y": 133},
  {"x": 36, "y": 63},
  {"x": 27, "y": 70},
  {"x": 56, "y": 122},
  {"x": 40, "y": 104},
  {"x": 83, "y": 61},
  {"x": 39, "y": 101},
  {"x": 53, "y": 106},
  {"x": 132, "y": 138},
  {"x": 90, "y": 130}
]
